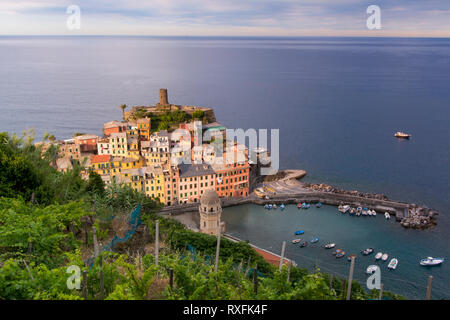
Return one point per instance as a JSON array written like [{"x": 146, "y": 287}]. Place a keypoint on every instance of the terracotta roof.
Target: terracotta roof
[{"x": 100, "y": 158}]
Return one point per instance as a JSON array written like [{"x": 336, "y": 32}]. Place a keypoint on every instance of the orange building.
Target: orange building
[
  {"x": 87, "y": 142},
  {"x": 144, "y": 126},
  {"x": 232, "y": 180},
  {"x": 114, "y": 127}
]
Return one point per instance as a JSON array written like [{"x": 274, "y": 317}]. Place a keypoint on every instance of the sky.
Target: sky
[{"x": 405, "y": 18}]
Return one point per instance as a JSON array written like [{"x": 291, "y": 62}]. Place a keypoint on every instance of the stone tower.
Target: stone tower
[
  {"x": 163, "y": 98},
  {"x": 210, "y": 213}
]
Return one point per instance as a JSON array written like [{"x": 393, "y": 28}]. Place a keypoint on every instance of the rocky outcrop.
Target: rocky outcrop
[
  {"x": 419, "y": 218},
  {"x": 327, "y": 188}
]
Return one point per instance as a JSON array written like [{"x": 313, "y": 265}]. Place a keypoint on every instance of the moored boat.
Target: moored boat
[
  {"x": 318, "y": 204},
  {"x": 387, "y": 215},
  {"x": 371, "y": 269},
  {"x": 340, "y": 254},
  {"x": 352, "y": 211},
  {"x": 393, "y": 264},
  {"x": 330, "y": 245},
  {"x": 378, "y": 255},
  {"x": 299, "y": 232},
  {"x": 303, "y": 244},
  {"x": 384, "y": 257},
  {"x": 430, "y": 261},
  {"x": 367, "y": 251},
  {"x": 296, "y": 240},
  {"x": 282, "y": 206},
  {"x": 314, "y": 240},
  {"x": 274, "y": 206}
]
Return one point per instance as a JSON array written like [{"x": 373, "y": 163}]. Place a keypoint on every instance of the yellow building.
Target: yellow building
[
  {"x": 154, "y": 183},
  {"x": 144, "y": 128},
  {"x": 118, "y": 144}
]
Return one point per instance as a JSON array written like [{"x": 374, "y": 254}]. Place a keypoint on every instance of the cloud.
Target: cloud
[{"x": 225, "y": 17}]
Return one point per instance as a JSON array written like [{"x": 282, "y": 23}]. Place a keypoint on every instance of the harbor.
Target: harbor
[{"x": 291, "y": 191}]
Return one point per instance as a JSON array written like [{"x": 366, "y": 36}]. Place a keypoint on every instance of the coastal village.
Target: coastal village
[{"x": 133, "y": 153}]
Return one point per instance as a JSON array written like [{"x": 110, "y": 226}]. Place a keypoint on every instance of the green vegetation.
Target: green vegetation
[{"x": 41, "y": 236}]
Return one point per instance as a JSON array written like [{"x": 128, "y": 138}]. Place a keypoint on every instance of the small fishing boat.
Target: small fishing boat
[
  {"x": 349, "y": 258},
  {"x": 319, "y": 204},
  {"x": 364, "y": 212},
  {"x": 296, "y": 241},
  {"x": 330, "y": 245},
  {"x": 340, "y": 254},
  {"x": 299, "y": 232},
  {"x": 359, "y": 210},
  {"x": 336, "y": 251},
  {"x": 352, "y": 211},
  {"x": 378, "y": 255},
  {"x": 303, "y": 244},
  {"x": 402, "y": 135},
  {"x": 343, "y": 209},
  {"x": 374, "y": 213},
  {"x": 384, "y": 257},
  {"x": 387, "y": 215},
  {"x": 299, "y": 205},
  {"x": 367, "y": 251},
  {"x": 371, "y": 269},
  {"x": 430, "y": 261},
  {"x": 282, "y": 206},
  {"x": 274, "y": 206},
  {"x": 268, "y": 206},
  {"x": 305, "y": 205},
  {"x": 393, "y": 264},
  {"x": 358, "y": 213},
  {"x": 314, "y": 240}
]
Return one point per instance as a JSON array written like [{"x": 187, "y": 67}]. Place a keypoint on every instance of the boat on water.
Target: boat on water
[
  {"x": 393, "y": 264},
  {"x": 387, "y": 215},
  {"x": 268, "y": 206},
  {"x": 330, "y": 245},
  {"x": 402, "y": 135},
  {"x": 319, "y": 204},
  {"x": 296, "y": 240},
  {"x": 305, "y": 205},
  {"x": 340, "y": 254},
  {"x": 384, "y": 257},
  {"x": 299, "y": 232},
  {"x": 299, "y": 205},
  {"x": 430, "y": 261},
  {"x": 374, "y": 213},
  {"x": 274, "y": 206},
  {"x": 365, "y": 212},
  {"x": 349, "y": 258},
  {"x": 282, "y": 206},
  {"x": 352, "y": 211},
  {"x": 378, "y": 255},
  {"x": 371, "y": 269},
  {"x": 367, "y": 251},
  {"x": 336, "y": 251},
  {"x": 344, "y": 209},
  {"x": 314, "y": 240},
  {"x": 303, "y": 244}
]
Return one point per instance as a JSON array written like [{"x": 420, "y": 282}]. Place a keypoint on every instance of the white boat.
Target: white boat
[
  {"x": 387, "y": 215},
  {"x": 378, "y": 255},
  {"x": 384, "y": 257},
  {"x": 274, "y": 206},
  {"x": 358, "y": 213},
  {"x": 393, "y": 264},
  {"x": 364, "y": 213},
  {"x": 400, "y": 134},
  {"x": 296, "y": 241},
  {"x": 330, "y": 245},
  {"x": 371, "y": 269},
  {"x": 374, "y": 213},
  {"x": 430, "y": 261},
  {"x": 343, "y": 209}
]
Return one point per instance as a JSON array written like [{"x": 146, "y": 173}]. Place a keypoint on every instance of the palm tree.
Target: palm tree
[{"x": 123, "y": 107}]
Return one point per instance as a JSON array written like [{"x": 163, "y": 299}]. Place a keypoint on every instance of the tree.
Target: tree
[
  {"x": 123, "y": 107},
  {"x": 197, "y": 114},
  {"x": 95, "y": 184}
]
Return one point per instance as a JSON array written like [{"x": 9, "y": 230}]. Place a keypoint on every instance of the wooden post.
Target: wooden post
[
  {"x": 350, "y": 278},
  {"x": 289, "y": 270},
  {"x": 157, "y": 243},
  {"x": 85, "y": 289},
  {"x": 283, "y": 248},
  {"x": 32, "y": 198},
  {"x": 94, "y": 236},
  {"x": 219, "y": 229},
  {"x": 430, "y": 281},
  {"x": 255, "y": 280},
  {"x": 30, "y": 247},
  {"x": 343, "y": 288},
  {"x": 381, "y": 291},
  {"x": 331, "y": 282},
  {"x": 102, "y": 284},
  {"x": 171, "y": 278}
]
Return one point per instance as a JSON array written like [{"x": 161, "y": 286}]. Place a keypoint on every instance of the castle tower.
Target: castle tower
[
  {"x": 163, "y": 98},
  {"x": 210, "y": 213}
]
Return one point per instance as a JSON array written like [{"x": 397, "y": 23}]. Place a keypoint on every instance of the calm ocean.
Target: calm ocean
[{"x": 337, "y": 102}]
